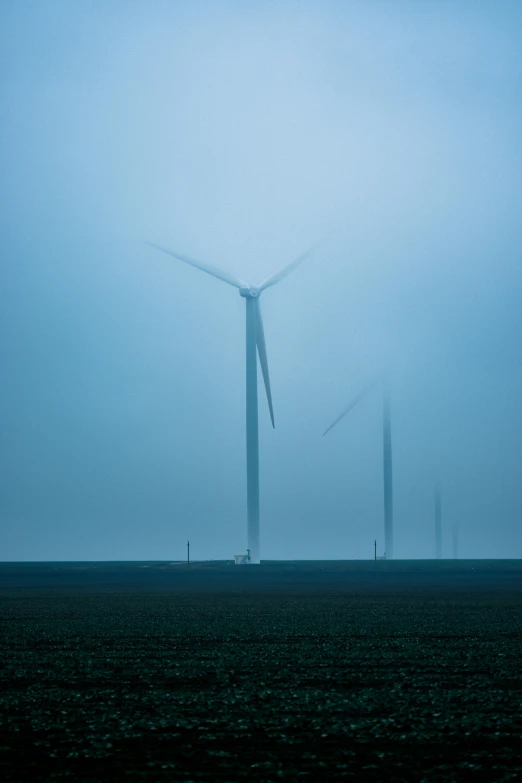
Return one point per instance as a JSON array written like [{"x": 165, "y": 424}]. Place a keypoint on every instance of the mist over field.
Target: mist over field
[{"x": 240, "y": 134}]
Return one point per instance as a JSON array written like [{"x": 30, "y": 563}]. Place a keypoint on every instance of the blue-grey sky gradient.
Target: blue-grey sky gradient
[{"x": 239, "y": 133}]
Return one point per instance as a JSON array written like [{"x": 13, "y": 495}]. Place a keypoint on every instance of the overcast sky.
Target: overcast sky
[{"x": 240, "y": 133}]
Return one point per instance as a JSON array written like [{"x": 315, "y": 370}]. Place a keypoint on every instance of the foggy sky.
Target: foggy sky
[{"x": 240, "y": 133}]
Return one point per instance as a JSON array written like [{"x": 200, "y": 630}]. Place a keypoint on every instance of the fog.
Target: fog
[{"x": 240, "y": 133}]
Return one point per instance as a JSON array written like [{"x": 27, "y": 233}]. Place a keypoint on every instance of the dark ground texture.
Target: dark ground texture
[{"x": 392, "y": 671}]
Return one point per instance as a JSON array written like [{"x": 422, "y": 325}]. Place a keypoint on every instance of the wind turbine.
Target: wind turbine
[
  {"x": 438, "y": 523},
  {"x": 455, "y": 542},
  {"x": 255, "y": 340},
  {"x": 386, "y": 458}
]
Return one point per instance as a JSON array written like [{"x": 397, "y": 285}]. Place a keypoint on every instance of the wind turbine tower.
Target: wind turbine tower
[
  {"x": 386, "y": 458},
  {"x": 438, "y": 525},
  {"x": 255, "y": 346},
  {"x": 455, "y": 542},
  {"x": 387, "y": 474}
]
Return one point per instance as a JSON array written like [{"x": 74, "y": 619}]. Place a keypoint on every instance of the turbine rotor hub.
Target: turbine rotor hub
[{"x": 249, "y": 292}]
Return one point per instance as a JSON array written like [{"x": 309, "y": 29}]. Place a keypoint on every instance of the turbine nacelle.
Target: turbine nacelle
[{"x": 249, "y": 291}]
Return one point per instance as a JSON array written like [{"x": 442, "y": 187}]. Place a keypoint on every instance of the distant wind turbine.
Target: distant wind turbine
[
  {"x": 386, "y": 458},
  {"x": 255, "y": 339},
  {"x": 438, "y": 524},
  {"x": 455, "y": 542}
]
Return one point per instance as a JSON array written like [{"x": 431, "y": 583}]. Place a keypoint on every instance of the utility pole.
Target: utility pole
[
  {"x": 375, "y": 549},
  {"x": 188, "y": 552}
]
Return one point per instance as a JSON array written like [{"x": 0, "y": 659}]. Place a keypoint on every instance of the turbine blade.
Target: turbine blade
[
  {"x": 351, "y": 404},
  {"x": 285, "y": 270},
  {"x": 261, "y": 349},
  {"x": 211, "y": 270}
]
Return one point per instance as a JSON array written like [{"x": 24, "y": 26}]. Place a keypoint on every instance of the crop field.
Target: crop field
[{"x": 386, "y": 671}]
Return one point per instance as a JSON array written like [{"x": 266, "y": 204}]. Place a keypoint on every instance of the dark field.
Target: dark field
[{"x": 385, "y": 671}]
